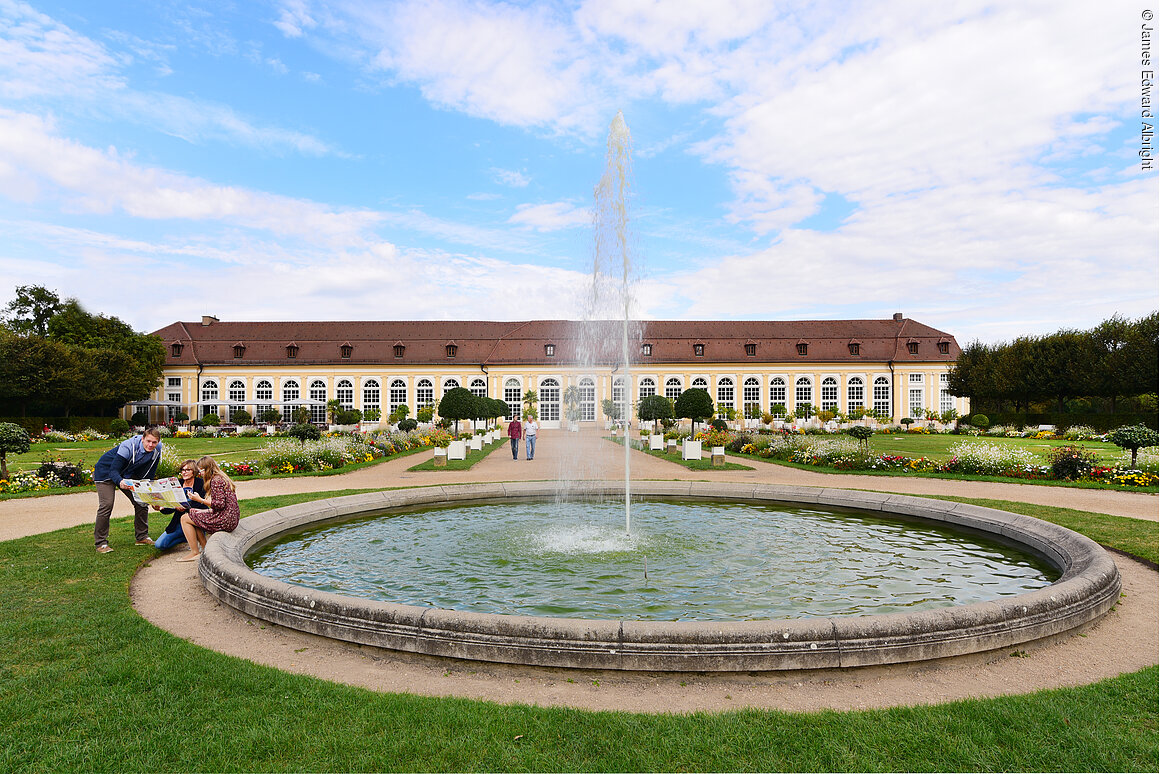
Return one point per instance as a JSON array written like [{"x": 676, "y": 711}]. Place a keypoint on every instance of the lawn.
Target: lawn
[
  {"x": 226, "y": 448},
  {"x": 87, "y": 684},
  {"x": 465, "y": 464},
  {"x": 937, "y": 447}
]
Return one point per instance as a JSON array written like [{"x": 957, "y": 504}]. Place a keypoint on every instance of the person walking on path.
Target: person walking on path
[
  {"x": 219, "y": 514},
  {"x": 515, "y": 434},
  {"x": 133, "y": 458},
  {"x": 530, "y": 430}
]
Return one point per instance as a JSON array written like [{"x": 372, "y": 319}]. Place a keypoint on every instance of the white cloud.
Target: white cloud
[
  {"x": 39, "y": 57},
  {"x": 90, "y": 180},
  {"x": 551, "y": 217},
  {"x": 510, "y": 177}
]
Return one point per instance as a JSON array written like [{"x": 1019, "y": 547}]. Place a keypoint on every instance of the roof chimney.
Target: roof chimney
[
  {"x": 208, "y": 319},
  {"x": 897, "y": 318}
]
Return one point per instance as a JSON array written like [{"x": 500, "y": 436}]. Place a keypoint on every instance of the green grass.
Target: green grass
[
  {"x": 937, "y": 447},
  {"x": 468, "y": 463},
  {"x": 228, "y": 448},
  {"x": 87, "y": 684}
]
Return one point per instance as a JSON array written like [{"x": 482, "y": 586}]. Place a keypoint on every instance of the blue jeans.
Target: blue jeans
[
  {"x": 169, "y": 540},
  {"x": 515, "y": 448},
  {"x": 531, "y": 441}
]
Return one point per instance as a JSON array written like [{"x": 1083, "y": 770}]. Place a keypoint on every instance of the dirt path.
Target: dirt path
[{"x": 168, "y": 594}]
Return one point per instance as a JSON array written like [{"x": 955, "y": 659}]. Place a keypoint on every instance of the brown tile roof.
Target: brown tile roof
[{"x": 522, "y": 342}]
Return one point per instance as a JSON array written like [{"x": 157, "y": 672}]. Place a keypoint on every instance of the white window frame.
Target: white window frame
[
  {"x": 587, "y": 390},
  {"x": 372, "y": 395},
  {"x": 344, "y": 393},
  {"x": 829, "y": 394},
  {"x": 513, "y": 396},
  {"x": 317, "y": 390},
  {"x": 855, "y": 393},
  {"x": 670, "y": 383},
  {"x": 778, "y": 395},
  {"x": 396, "y": 395}
]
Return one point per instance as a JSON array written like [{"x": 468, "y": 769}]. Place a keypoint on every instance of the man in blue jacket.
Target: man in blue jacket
[{"x": 134, "y": 458}]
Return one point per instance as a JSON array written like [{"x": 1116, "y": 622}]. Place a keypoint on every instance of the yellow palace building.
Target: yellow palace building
[{"x": 897, "y": 366}]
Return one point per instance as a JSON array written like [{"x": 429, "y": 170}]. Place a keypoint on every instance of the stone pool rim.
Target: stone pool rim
[{"x": 1088, "y": 586}]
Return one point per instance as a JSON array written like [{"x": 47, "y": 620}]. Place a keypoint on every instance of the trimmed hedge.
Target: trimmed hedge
[
  {"x": 34, "y": 425},
  {"x": 1101, "y": 422}
]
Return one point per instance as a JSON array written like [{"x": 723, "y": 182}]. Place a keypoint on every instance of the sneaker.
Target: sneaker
[
  {"x": 146, "y": 542},
  {"x": 104, "y": 548}
]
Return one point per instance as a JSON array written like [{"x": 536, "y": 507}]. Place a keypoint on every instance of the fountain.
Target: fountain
[{"x": 1087, "y": 586}]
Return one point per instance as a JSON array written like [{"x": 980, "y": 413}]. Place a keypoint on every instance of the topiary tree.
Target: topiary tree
[
  {"x": 347, "y": 417},
  {"x": 407, "y": 425},
  {"x": 863, "y": 434},
  {"x": 981, "y": 421},
  {"x": 119, "y": 426},
  {"x": 139, "y": 418},
  {"x": 241, "y": 417},
  {"x": 653, "y": 408},
  {"x": 13, "y": 438},
  {"x": 181, "y": 416},
  {"x": 458, "y": 403},
  {"x": 1133, "y": 437},
  {"x": 211, "y": 420},
  {"x": 694, "y": 404},
  {"x": 304, "y": 431},
  {"x": 271, "y": 416}
]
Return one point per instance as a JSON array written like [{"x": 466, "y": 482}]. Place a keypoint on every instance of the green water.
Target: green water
[{"x": 703, "y": 561}]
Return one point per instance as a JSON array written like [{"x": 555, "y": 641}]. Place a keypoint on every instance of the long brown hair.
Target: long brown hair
[{"x": 210, "y": 470}]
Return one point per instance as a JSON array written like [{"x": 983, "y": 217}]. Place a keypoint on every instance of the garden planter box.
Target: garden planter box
[
  {"x": 457, "y": 450},
  {"x": 656, "y": 442},
  {"x": 672, "y": 443},
  {"x": 718, "y": 456},
  {"x": 691, "y": 450},
  {"x": 477, "y": 443},
  {"x": 440, "y": 457}
]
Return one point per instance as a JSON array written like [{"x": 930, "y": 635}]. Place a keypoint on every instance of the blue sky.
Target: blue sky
[{"x": 972, "y": 165}]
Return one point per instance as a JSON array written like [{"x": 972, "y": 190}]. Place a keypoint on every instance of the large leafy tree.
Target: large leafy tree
[
  {"x": 652, "y": 408},
  {"x": 73, "y": 359},
  {"x": 30, "y": 312}
]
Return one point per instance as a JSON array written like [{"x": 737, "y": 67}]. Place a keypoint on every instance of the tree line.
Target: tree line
[
  {"x": 1115, "y": 360},
  {"x": 58, "y": 359}
]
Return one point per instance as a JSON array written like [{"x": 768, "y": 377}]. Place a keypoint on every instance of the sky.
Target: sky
[{"x": 975, "y": 166}]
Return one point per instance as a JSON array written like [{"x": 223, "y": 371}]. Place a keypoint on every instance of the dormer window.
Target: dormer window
[
  {"x": 803, "y": 348},
  {"x": 751, "y": 350},
  {"x": 346, "y": 350},
  {"x": 549, "y": 350},
  {"x": 399, "y": 350},
  {"x": 291, "y": 351},
  {"x": 912, "y": 347},
  {"x": 944, "y": 347},
  {"x": 451, "y": 348},
  {"x": 855, "y": 348},
  {"x": 239, "y": 350},
  {"x": 176, "y": 348},
  {"x": 646, "y": 350},
  {"x": 699, "y": 350}
]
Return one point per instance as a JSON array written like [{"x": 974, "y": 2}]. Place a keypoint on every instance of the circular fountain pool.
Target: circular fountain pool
[
  {"x": 683, "y": 561},
  {"x": 1086, "y": 586}
]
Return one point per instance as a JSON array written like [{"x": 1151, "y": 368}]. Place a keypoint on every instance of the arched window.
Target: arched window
[
  {"x": 263, "y": 391},
  {"x": 855, "y": 393},
  {"x": 882, "y": 396},
  {"x": 946, "y": 401},
  {"x": 424, "y": 394},
  {"x": 751, "y": 396},
  {"x": 647, "y": 387},
  {"x": 344, "y": 392},
  {"x": 673, "y": 388},
  {"x": 513, "y": 397},
  {"x": 318, "y": 393},
  {"x": 372, "y": 396},
  {"x": 829, "y": 394},
  {"x": 725, "y": 395},
  {"x": 619, "y": 397},
  {"x": 209, "y": 397},
  {"x": 803, "y": 397},
  {"x": 237, "y": 390},
  {"x": 777, "y": 397},
  {"x": 549, "y": 407},
  {"x": 450, "y": 383},
  {"x": 587, "y": 400},
  {"x": 478, "y": 388},
  {"x": 700, "y": 383},
  {"x": 290, "y": 392},
  {"x": 397, "y": 396}
]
